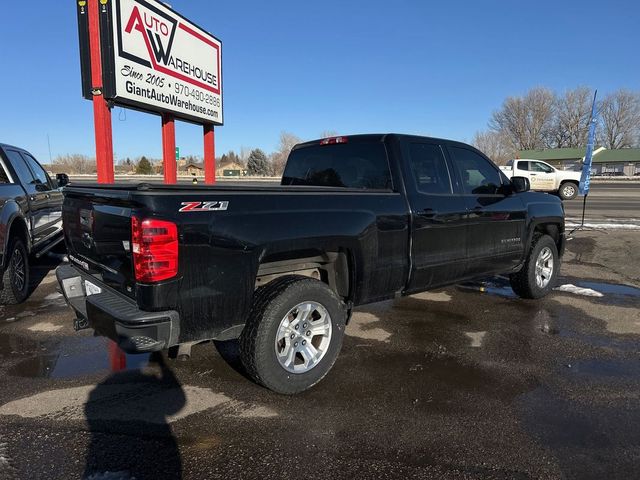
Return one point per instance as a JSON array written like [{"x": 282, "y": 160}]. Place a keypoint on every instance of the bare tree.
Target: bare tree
[
  {"x": 279, "y": 158},
  {"x": 495, "y": 145},
  {"x": 74, "y": 164},
  {"x": 573, "y": 112},
  {"x": 328, "y": 134},
  {"x": 619, "y": 114},
  {"x": 528, "y": 120}
]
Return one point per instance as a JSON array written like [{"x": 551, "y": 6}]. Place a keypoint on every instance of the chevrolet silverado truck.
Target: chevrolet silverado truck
[
  {"x": 356, "y": 219},
  {"x": 545, "y": 178},
  {"x": 30, "y": 218}
]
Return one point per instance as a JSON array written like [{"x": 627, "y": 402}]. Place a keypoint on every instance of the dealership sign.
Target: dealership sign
[{"x": 156, "y": 60}]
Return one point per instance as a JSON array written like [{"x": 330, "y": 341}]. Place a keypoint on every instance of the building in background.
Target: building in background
[
  {"x": 621, "y": 162},
  {"x": 562, "y": 158},
  {"x": 196, "y": 169}
]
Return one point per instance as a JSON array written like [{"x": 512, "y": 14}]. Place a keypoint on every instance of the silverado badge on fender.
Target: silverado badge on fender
[{"x": 203, "y": 206}]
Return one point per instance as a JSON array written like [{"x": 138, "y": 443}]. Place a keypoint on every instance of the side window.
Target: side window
[
  {"x": 523, "y": 165},
  {"x": 479, "y": 176},
  {"x": 429, "y": 168},
  {"x": 39, "y": 173},
  {"x": 541, "y": 167},
  {"x": 20, "y": 166}
]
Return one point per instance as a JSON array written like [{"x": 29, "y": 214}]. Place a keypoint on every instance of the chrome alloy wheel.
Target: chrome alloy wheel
[
  {"x": 18, "y": 269},
  {"x": 303, "y": 337},
  {"x": 544, "y": 267},
  {"x": 569, "y": 190}
]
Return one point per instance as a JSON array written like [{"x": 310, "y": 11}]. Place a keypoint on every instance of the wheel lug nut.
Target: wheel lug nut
[
  {"x": 308, "y": 333},
  {"x": 304, "y": 326},
  {"x": 293, "y": 336},
  {"x": 295, "y": 344},
  {"x": 304, "y": 342},
  {"x": 296, "y": 327}
]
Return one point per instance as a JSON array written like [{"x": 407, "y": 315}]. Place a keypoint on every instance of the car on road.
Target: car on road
[
  {"x": 356, "y": 220},
  {"x": 30, "y": 218},
  {"x": 544, "y": 177}
]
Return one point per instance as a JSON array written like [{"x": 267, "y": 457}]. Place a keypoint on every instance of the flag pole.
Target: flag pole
[{"x": 585, "y": 178}]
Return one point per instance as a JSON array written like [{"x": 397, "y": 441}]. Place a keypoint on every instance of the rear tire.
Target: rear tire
[
  {"x": 15, "y": 278},
  {"x": 568, "y": 191},
  {"x": 293, "y": 334},
  {"x": 538, "y": 275}
]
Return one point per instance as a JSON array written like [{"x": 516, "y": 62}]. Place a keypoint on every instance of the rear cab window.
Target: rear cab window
[
  {"x": 429, "y": 169},
  {"x": 354, "y": 164}
]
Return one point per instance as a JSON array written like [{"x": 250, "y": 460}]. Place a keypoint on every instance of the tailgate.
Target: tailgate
[{"x": 97, "y": 230}]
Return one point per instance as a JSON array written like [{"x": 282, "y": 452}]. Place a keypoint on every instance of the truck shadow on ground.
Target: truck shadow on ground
[
  {"x": 130, "y": 432},
  {"x": 41, "y": 267}
]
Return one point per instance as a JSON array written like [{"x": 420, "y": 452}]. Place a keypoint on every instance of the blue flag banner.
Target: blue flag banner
[{"x": 585, "y": 178}]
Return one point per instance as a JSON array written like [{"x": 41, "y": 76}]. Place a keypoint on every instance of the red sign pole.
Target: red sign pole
[
  {"x": 209, "y": 155},
  {"x": 169, "y": 149},
  {"x": 101, "y": 112}
]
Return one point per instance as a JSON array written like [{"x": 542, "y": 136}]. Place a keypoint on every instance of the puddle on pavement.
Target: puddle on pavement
[
  {"x": 17, "y": 346},
  {"x": 493, "y": 286},
  {"x": 68, "y": 358},
  {"x": 605, "y": 293},
  {"x": 614, "y": 369},
  {"x": 611, "y": 288}
]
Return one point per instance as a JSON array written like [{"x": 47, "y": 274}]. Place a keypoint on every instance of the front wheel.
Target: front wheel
[
  {"x": 293, "y": 334},
  {"x": 538, "y": 275},
  {"x": 568, "y": 190}
]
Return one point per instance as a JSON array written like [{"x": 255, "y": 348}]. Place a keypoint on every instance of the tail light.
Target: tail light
[
  {"x": 155, "y": 249},
  {"x": 333, "y": 140}
]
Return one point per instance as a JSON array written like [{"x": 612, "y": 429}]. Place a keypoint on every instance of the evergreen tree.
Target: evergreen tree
[
  {"x": 144, "y": 167},
  {"x": 257, "y": 164}
]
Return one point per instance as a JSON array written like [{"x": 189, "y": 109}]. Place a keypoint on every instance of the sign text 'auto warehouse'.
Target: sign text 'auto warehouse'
[{"x": 154, "y": 59}]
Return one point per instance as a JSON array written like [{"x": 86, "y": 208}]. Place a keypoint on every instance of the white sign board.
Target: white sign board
[{"x": 159, "y": 61}]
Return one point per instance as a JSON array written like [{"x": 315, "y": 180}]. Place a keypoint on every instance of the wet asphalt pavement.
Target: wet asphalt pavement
[{"x": 464, "y": 382}]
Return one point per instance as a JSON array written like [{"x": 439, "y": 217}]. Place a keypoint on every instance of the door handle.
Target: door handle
[
  {"x": 533, "y": 174},
  {"x": 428, "y": 213},
  {"x": 47, "y": 196}
]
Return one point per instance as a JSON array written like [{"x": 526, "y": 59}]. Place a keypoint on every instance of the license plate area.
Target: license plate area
[{"x": 91, "y": 289}]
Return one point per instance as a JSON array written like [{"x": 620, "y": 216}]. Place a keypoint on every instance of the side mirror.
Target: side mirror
[
  {"x": 62, "y": 179},
  {"x": 520, "y": 184}
]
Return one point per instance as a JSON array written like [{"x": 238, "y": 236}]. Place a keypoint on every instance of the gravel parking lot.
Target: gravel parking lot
[{"x": 464, "y": 382}]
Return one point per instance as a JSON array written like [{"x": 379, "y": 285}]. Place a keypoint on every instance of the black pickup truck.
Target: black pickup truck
[
  {"x": 356, "y": 220},
  {"x": 30, "y": 218}
]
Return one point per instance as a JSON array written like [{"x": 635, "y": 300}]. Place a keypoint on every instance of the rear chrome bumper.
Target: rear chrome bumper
[{"x": 116, "y": 316}]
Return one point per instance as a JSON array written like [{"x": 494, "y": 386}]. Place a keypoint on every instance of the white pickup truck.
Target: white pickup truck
[{"x": 543, "y": 177}]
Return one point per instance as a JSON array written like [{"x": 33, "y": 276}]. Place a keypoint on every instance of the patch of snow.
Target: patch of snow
[
  {"x": 606, "y": 226},
  {"x": 476, "y": 338},
  {"x": 44, "y": 327},
  {"x": 570, "y": 288}
]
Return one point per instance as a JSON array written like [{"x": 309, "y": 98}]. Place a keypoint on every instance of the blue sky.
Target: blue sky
[{"x": 434, "y": 68}]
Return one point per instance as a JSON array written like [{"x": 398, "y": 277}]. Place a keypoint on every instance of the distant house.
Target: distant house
[
  {"x": 623, "y": 161},
  {"x": 195, "y": 169}
]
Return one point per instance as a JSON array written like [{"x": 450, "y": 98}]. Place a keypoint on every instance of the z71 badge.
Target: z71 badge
[{"x": 203, "y": 206}]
